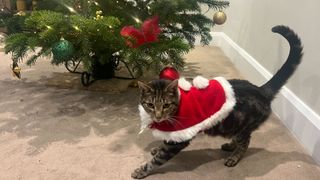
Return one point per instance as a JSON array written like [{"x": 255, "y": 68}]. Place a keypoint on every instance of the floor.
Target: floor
[{"x": 58, "y": 133}]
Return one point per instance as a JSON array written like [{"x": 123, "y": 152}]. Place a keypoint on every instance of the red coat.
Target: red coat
[{"x": 201, "y": 107}]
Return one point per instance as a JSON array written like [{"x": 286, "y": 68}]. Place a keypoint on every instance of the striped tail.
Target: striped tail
[{"x": 272, "y": 87}]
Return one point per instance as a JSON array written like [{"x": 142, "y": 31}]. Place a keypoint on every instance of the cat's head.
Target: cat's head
[{"x": 159, "y": 98}]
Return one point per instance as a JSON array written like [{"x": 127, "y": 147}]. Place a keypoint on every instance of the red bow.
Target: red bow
[{"x": 148, "y": 33}]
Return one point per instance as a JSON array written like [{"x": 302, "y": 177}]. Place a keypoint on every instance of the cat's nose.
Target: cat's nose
[{"x": 158, "y": 116}]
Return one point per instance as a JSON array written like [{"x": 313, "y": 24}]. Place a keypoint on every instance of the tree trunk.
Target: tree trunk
[{"x": 103, "y": 71}]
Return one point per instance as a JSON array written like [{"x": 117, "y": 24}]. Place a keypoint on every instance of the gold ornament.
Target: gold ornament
[
  {"x": 34, "y": 3},
  {"x": 98, "y": 12},
  {"x": 15, "y": 70},
  {"x": 219, "y": 17},
  {"x": 20, "y": 13},
  {"x": 169, "y": 64},
  {"x": 21, "y": 5},
  {"x": 133, "y": 84}
]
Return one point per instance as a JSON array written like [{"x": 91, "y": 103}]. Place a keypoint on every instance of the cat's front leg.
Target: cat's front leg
[
  {"x": 165, "y": 152},
  {"x": 155, "y": 150}
]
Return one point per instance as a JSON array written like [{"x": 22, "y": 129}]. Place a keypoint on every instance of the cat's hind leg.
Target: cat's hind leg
[
  {"x": 229, "y": 146},
  {"x": 242, "y": 143},
  {"x": 165, "y": 152}
]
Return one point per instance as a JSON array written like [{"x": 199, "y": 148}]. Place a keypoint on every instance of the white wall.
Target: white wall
[
  {"x": 249, "y": 24},
  {"x": 247, "y": 40}
]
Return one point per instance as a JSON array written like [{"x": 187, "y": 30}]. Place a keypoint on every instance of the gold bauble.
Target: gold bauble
[
  {"x": 34, "y": 3},
  {"x": 98, "y": 12},
  {"x": 21, "y": 5},
  {"x": 219, "y": 17},
  {"x": 20, "y": 13},
  {"x": 15, "y": 70},
  {"x": 133, "y": 84}
]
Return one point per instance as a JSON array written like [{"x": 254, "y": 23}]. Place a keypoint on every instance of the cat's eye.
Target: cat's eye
[
  {"x": 150, "y": 105},
  {"x": 166, "y": 105}
]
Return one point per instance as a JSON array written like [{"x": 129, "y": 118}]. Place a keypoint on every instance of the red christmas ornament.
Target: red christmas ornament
[{"x": 169, "y": 73}]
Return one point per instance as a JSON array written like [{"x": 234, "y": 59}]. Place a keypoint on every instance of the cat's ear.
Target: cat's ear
[
  {"x": 172, "y": 87},
  {"x": 144, "y": 87}
]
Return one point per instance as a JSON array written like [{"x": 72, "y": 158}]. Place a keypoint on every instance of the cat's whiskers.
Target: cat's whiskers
[
  {"x": 175, "y": 121},
  {"x": 168, "y": 120}
]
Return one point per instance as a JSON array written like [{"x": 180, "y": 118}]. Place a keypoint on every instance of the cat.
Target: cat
[{"x": 241, "y": 109}]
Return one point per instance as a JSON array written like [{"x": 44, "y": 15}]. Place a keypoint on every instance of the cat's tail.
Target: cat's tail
[{"x": 272, "y": 87}]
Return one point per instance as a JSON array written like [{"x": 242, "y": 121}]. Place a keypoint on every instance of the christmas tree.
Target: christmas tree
[{"x": 146, "y": 34}]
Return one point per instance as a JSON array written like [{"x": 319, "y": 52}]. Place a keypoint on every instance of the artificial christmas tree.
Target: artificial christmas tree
[{"x": 143, "y": 33}]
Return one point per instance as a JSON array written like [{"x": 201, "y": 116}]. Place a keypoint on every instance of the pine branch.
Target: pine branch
[
  {"x": 97, "y": 39},
  {"x": 17, "y": 45},
  {"x": 32, "y": 59},
  {"x": 216, "y": 5},
  {"x": 86, "y": 50}
]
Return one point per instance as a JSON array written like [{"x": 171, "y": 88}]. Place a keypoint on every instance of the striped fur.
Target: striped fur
[
  {"x": 251, "y": 110},
  {"x": 161, "y": 155}
]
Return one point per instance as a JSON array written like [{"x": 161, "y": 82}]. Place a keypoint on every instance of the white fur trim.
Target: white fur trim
[
  {"x": 145, "y": 118},
  {"x": 184, "y": 84},
  {"x": 189, "y": 133},
  {"x": 200, "y": 82}
]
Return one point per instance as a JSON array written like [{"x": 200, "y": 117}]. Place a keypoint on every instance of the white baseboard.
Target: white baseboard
[{"x": 302, "y": 121}]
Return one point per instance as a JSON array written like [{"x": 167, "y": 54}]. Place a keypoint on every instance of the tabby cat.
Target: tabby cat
[{"x": 241, "y": 109}]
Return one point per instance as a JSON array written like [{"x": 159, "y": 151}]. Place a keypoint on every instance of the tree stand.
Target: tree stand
[{"x": 100, "y": 71}]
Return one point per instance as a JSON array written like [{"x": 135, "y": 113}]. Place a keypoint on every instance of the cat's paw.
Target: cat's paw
[
  {"x": 139, "y": 174},
  {"x": 154, "y": 151},
  {"x": 228, "y": 147},
  {"x": 231, "y": 161}
]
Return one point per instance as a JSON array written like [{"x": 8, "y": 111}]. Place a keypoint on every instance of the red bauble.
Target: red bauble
[{"x": 169, "y": 73}]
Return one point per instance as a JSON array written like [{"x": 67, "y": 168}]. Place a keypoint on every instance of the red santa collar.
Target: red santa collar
[{"x": 202, "y": 106}]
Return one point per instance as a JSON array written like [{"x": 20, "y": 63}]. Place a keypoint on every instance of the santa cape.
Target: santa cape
[{"x": 201, "y": 107}]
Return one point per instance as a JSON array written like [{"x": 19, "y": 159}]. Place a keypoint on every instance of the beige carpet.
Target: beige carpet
[
  {"x": 69, "y": 80},
  {"x": 54, "y": 133}
]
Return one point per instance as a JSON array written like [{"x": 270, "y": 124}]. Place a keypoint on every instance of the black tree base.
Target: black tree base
[
  {"x": 100, "y": 71},
  {"x": 103, "y": 71}
]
